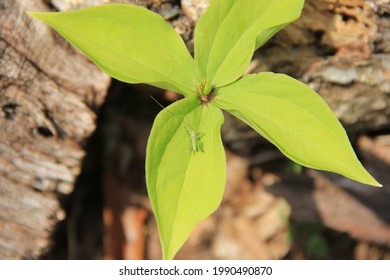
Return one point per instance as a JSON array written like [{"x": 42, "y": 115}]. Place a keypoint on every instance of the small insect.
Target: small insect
[
  {"x": 196, "y": 140},
  {"x": 195, "y": 136}
]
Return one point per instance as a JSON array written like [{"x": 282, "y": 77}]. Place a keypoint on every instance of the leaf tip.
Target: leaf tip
[
  {"x": 168, "y": 251},
  {"x": 375, "y": 183},
  {"x": 31, "y": 13},
  {"x": 370, "y": 180},
  {"x": 168, "y": 257},
  {"x": 37, "y": 15}
]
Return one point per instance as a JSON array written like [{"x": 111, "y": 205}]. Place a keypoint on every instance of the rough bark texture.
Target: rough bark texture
[{"x": 48, "y": 94}]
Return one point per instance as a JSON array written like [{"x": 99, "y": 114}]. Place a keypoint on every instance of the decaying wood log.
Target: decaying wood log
[{"x": 48, "y": 94}]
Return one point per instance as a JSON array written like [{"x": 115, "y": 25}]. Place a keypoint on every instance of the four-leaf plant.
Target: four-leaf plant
[{"x": 185, "y": 162}]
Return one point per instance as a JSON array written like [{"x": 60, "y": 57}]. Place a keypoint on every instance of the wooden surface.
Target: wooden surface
[{"x": 48, "y": 94}]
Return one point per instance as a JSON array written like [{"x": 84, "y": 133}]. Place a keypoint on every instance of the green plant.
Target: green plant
[{"x": 185, "y": 164}]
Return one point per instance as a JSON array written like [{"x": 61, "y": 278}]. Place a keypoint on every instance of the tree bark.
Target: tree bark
[{"x": 48, "y": 96}]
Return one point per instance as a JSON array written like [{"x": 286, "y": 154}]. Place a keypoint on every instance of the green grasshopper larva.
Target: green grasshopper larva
[
  {"x": 196, "y": 140},
  {"x": 195, "y": 136}
]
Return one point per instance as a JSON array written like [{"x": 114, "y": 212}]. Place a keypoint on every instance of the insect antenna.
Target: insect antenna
[{"x": 155, "y": 100}]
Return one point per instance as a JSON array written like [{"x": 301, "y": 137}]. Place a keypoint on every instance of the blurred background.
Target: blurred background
[{"x": 73, "y": 141}]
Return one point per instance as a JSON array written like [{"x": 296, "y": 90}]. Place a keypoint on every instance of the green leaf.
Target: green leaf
[
  {"x": 130, "y": 43},
  {"x": 229, "y": 31},
  {"x": 294, "y": 118},
  {"x": 184, "y": 186}
]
